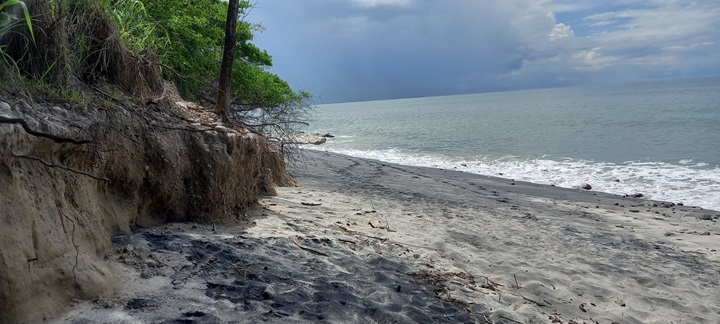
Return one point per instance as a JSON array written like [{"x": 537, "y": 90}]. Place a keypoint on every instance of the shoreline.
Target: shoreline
[
  {"x": 524, "y": 187},
  {"x": 625, "y": 179},
  {"x": 367, "y": 241}
]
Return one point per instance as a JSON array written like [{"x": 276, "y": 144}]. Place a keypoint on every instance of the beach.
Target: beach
[{"x": 364, "y": 241}]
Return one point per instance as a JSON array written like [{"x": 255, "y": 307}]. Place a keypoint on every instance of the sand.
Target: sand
[{"x": 362, "y": 241}]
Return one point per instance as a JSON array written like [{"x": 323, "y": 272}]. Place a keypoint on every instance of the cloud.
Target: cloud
[
  {"x": 593, "y": 60},
  {"x": 560, "y": 31},
  {"x": 376, "y": 3},
  {"x": 376, "y": 49}
]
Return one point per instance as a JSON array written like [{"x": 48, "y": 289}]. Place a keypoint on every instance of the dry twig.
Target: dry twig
[{"x": 308, "y": 249}]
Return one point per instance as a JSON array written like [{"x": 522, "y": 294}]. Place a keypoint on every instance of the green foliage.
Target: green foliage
[
  {"x": 7, "y": 21},
  {"x": 253, "y": 86},
  {"x": 195, "y": 32},
  {"x": 87, "y": 42},
  {"x": 138, "y": 31}
]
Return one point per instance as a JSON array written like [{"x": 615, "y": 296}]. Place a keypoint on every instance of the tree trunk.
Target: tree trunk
[{"x": 222, "y": 107}]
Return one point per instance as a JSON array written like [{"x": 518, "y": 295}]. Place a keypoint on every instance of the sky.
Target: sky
[{"x": 357, "y": 50}]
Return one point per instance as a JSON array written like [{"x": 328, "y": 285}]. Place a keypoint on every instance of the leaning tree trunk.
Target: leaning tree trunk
[{"x": 223, "y": 99}]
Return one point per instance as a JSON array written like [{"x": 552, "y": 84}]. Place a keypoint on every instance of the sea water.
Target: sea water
[{"x": 659, "y": 138}]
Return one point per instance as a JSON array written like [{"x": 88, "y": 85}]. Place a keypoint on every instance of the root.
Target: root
[
  {"x": 77, "y": 252},
  {"x": 29, "y": 130},
  {"x": 59, "y": 166}
]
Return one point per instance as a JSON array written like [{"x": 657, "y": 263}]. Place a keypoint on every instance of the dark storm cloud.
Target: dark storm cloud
[{"x": 377, "y": 49}]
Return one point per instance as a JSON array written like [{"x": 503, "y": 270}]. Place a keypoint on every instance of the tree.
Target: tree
[
  {"x": 192, "y": 38},
  {"x": 223, "y": 97}
]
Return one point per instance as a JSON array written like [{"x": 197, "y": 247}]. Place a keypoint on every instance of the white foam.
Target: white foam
[{"x": 690, "y": 183}]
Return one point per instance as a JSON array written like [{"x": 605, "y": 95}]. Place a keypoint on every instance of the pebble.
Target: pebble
[
  {"x": 4, "y": 106},
  {"x": 151, "y": 263},
  {"x": 146, "y": 273}
]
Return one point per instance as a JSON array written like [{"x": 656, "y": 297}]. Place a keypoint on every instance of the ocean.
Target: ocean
[{"x": 658, "y": 138}]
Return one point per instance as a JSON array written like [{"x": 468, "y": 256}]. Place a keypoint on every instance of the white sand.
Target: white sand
[{"x": 446, "y": 247}]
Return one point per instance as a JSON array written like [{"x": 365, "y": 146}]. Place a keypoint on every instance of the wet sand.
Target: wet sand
[{"x": 362, "y": 241}]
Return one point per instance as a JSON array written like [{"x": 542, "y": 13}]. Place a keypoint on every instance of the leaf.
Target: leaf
[{"x": 5, "y": 19}]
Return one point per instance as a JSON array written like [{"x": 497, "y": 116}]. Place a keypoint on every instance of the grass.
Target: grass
[{"x": 71, "y": 47}]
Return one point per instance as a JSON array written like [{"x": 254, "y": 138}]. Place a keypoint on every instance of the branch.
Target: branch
[
  {"x": 59, "y": 166},
  {"x": 26, "y": 127},
  {"x": 308, "y": 249},
  {"x": 186, "y": 129},
  {"x": 278, "y": 123}
]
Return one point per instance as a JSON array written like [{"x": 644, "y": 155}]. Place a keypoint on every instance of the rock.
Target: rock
[
  {"x": 138, "y": 303},
  {"x": 59, "y": 111},
  {"x": 328, "y": 135},
  {"x": 707, "y": 217},
  {"x": 305, "y": 138},
  {"x": 5, "y": 107},
  {"x": 145, "y": 273},
  {"x": 269, "y": 293},
  {"x": 151, "y": 263},
  {"x": 181, "y": 104},
  {"x": 376, "y": 224},
  {"x": 616, "y": 180},
  {"x": 585, "y": 186}
]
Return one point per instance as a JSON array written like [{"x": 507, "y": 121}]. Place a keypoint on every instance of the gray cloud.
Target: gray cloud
[{"x": 377, "y": 49}]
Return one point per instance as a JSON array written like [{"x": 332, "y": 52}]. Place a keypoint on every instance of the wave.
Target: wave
[{"x": 691, "y": 183}]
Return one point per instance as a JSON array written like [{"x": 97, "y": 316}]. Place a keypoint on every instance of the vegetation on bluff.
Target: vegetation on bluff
[{"x": 73, "y": 46}]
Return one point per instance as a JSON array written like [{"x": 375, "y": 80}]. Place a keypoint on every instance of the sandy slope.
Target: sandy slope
[{"x": 446, "y": 247}]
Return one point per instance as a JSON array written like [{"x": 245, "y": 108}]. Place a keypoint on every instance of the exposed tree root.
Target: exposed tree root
[
  {"x": 29, "y": 130},
  {"x": 59, "y": 166}
]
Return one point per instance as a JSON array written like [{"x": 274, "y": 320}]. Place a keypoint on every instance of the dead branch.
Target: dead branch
[
  {"x": 308, "y": 249},
  {"x": 185, "y": 129},
  {"x": 59, "y": 166},
  {"x": 532, "y": 301},
  {"x": 276, "y": 124},
  {"x": 29, "y": 130}
]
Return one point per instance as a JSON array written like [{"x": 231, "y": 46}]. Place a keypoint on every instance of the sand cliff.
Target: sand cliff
[{"x": 70, "y": 179}]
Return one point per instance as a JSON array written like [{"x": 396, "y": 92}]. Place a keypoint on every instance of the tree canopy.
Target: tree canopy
[{"x": 188, "y": 36}]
